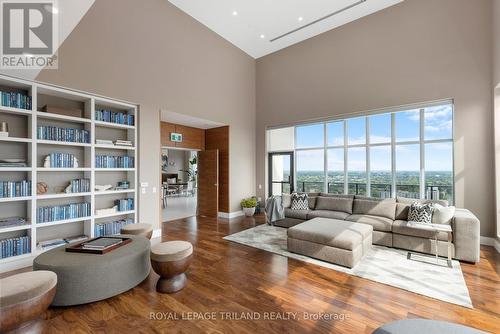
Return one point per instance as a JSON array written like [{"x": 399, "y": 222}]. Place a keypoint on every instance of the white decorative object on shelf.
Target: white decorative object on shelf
[
  {"x": 103, "y": 188},
  {"x": 46, "y": 162},
  {"x": 109, "y": 211}
]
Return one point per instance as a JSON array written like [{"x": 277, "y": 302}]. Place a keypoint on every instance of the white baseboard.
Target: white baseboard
[
  {"x": 229, "y": 215},
  {"x": 493, "y": 242},
  {"x": 17, "y": 264}
]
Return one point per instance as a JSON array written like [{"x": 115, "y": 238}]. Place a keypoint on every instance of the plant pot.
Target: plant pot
[{"x": 249, "y": 212}]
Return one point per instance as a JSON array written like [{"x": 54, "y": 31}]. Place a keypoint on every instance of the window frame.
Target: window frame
[{"x": 368, "y": 145}]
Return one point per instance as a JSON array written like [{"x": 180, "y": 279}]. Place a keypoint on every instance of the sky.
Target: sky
[{"x": 437, "y": 125}]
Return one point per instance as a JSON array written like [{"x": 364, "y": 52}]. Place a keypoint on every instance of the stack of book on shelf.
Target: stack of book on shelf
[
  {"x": 104, "y": 142},
  {"x": 110, "y": 228},
  {"x": 63, "y": 134},
  {"x": 16, "y": 100},
  {"x": 13, "y": 163},
  {"x": 108, "y": 161},
  {"x": 126, "y": 204},
  {"x": 80, "y": 186},
  {"x": 12, "y": 221},
  {"x": 63, "y": 212},
  {"x": 123, "y": 143},
  {"x": 15, "y": 188},
  {"x": 15, "y": 246},
  {"x": 62, "y": 160},
  {"x": 102, "y": 243},
  {"x": 114, "y": 117},
  {"x": 54, "y": 243}
]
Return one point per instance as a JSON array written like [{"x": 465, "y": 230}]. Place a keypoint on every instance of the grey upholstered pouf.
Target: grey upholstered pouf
[
  {"x": 85, "y": 278},
  {"x": 419, "y": 326},
  {"x": 145, "y": 230}
]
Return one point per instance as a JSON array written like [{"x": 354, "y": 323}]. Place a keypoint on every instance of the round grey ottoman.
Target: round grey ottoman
[
  {"x": 85, "y": 278},
  {"x": 419, "y": 326}
]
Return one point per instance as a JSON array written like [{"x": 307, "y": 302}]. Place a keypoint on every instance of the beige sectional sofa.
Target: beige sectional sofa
[{"x": 388, "y": 217}]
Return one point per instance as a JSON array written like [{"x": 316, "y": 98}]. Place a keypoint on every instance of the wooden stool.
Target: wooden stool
[
  {"x": 24, "y": 297},
  {"x": 145, "y": 230},
  {"x": 170, "y": 260}
]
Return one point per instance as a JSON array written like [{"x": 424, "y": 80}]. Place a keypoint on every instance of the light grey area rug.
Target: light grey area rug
[{"x": 382, "y": 264}]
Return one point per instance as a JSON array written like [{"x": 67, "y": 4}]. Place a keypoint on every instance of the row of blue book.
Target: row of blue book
[
  {"x": 63, "y": 212},
  {"x": 15, "y": 188},
  {"x": 114, "y": 117},
  {"x": 16, "y": 100},
  {"x": 109, "y": 161},
  {"x": 126, "y": 204},
  {"x": 63, "y": 134},
  {"x": 80, "y": 185},
  {"x": 62, "y": 160},
  {"x": 15, "y": 246},
  {"x": 111, "y": 227}
]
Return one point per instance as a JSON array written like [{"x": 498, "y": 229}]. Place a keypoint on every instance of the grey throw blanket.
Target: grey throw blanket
[{"x": 274, "y": 209}]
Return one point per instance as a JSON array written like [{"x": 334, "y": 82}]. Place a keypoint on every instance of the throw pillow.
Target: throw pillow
[
  {"x": 299, "y": 202},
  {"x": 443, "y": 214},
  {"x": 286, "y": 200},
  {"x": 420, "y": 213}
]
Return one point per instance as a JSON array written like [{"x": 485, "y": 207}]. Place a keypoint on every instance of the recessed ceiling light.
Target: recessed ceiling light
[
  {"x": 235, "y": 13},
  {"x": 300, "y": 18},
  {"x": 262, "y": 36}
]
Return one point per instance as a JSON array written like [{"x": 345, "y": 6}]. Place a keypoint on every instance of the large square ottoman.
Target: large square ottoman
[{"x": 332, "y": 240}]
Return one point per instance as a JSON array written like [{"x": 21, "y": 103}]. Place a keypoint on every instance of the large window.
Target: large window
[{"x": 407, "y": 153}]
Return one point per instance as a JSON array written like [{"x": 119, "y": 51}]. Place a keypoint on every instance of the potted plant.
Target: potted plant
[
  {"x": 248, "y": 205},
  {"x": 192, "y": 173}
]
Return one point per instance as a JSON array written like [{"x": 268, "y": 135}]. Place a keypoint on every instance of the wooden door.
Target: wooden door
[{"x": 208, "y": 183}]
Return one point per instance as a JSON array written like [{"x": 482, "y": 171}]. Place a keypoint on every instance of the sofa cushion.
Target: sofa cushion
[
  {"x": 297, "y": 214},
  {"x": 311, "y": 200},
  {"x": 299, "y": 202},
  {"x": 379, "y": 223},
  {"x": 443, "y": 214},
  {"x": 327, "y": 214},
  {"x": 286, "y": 200},
  {"x": 338, "y": 234},
  {"x": 403, "y": 205},
  {"x": 401, "y": 227},
  {"x": 421, "y": 213},
  {"x": 335, "y": 203},
  {"x": 374, "y": 207}
]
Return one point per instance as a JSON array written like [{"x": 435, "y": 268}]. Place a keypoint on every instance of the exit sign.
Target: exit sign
[{"x": 176, "y": 137}]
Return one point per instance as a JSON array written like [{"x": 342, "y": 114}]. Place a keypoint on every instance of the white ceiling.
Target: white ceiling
[
  {"x": 181, "y": 119},
  {"x": 252, "y": 25}
]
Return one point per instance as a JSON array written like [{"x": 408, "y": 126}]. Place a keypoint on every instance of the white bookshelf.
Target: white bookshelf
[{"x": 23, "y": 126}]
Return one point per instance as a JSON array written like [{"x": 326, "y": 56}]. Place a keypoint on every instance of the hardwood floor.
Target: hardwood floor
[{"x": 228, "y": 277}]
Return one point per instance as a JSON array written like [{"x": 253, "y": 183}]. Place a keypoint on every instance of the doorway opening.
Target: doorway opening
[{"x": 179, "y": 183}]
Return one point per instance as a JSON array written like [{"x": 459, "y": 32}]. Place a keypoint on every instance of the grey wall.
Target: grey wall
[
  {"x": 155, "y": 55},
  {"x": 416, "y": 51}
]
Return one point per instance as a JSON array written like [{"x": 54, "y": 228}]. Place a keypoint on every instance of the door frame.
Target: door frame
[{"x": 270, "y": 171}]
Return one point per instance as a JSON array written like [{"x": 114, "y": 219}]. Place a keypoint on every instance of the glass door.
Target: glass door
[{"x": 280, "y": 173}]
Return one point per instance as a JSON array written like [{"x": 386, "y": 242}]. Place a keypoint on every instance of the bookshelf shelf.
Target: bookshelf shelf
[
  {"x": 15, "y": 111},
  {"x": 114, "y": 125},
  {"x": 46, "y": 115},
  {"x": 112, "y": 192},
  {"x": 15, "y": 228},
  {"x": 115, "y": 214},
  {"x": 114, "y": 169},
  {"x": 24, "y": 131},
  {"x": 15, "y": 199},
  {"x": 16, "y": 140},
  {"x": 54, "y": 169},
  {"x": 61, "y": 143},
  {"x": 63, "y": 195},
  {"x": 62, "y": 222},
  {"x": 16, "y": 169},
  {"x": 114, "y": 147}
]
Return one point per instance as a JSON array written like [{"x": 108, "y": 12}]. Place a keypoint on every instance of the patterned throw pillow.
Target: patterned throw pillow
[
  {"x": 420, "y": 213},
  {"x": 299, "y": 202}
]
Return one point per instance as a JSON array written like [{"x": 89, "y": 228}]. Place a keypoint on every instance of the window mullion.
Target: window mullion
[
  {"x": 367, "y": 159},
  {"x": 393, "y": 155},
  {"x": 346, "y": 186},
  {"x": 422, "y": 154},
  {"x": 325, "y": 157}
]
